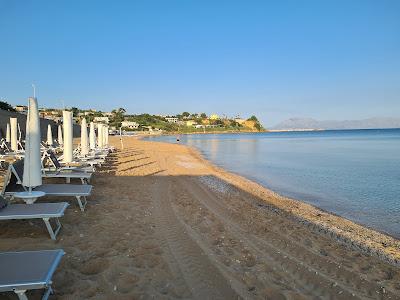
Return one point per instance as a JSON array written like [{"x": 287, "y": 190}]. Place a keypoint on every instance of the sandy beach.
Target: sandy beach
[{"x": 163, "y": 223}]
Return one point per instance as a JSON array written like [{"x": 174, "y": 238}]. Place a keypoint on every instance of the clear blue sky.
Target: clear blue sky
[{"x": 276, "y": 59}]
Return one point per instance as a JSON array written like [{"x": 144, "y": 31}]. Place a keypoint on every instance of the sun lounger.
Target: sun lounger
[
  {"x": 7, "y": 147},
  {"x": 84, "y": 174},
  {"x": 44, "y": 211},
  {"x": 68, "y": 175},
  {"x": 58, "y": 167},
  {"x": 14, "y": 179},
  {"x": 10, "y": 154},
  {"x": 28, "y": 270}
]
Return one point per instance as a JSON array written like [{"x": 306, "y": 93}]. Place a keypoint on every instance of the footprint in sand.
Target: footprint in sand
[
  {"x": 94, "y": 266},
  {"x": 126, "y": 282}
]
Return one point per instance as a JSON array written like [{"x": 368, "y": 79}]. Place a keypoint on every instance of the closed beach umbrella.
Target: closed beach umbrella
[
  {"x": 8, "y": 133},
  {"x": 107, "y": 135},
  {"x": 84, "y": 138},
  {"x": 49, "y": 135},
  {"x": 59, "y": 136},
  {"x": 14, "y": 134},
  {"x": 67, "y": 123},
  {"x": 32, "y": 165},
  {"x": 100, "y": 135},
  {"x": 92, "y": 136},
  {"x": 105, "y": 132}
]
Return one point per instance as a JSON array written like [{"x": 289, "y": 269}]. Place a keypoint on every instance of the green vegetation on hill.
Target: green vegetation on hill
[
  {"x": 257, "y": 123},
  {"x": 5, "y": 106},
  {"x": 185, "y": 122},
  {"x": 203, "y": 123}
]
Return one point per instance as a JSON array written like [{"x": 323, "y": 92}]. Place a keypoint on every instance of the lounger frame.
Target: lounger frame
[
  {"x": 53, "y": 232},
  {"x": 21, "y": 288}
]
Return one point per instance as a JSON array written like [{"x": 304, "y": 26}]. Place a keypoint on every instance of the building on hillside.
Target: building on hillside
[
  {"x": 130, "y": 124},
  {"x": 101, "y": 119},
  {"x": 21, "y": 108},
  {"x": 190, "y": 123},
  {"x": 171, "y": 119},
  {"x": 214, "y": 117}
]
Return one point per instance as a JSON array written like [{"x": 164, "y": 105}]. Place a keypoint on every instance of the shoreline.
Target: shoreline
[{"x": 347, "y": 232}]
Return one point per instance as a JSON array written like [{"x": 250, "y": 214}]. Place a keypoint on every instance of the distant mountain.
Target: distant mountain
[{"x": 308, "y": 123}]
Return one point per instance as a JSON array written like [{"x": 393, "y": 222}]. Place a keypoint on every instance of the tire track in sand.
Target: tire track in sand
[
  {"x": 316, "y": 283},
  {"x": 201, "y": 276}
]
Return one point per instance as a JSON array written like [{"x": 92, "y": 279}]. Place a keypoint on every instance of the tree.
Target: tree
[
  {"x": 253, "y": 118},
  {"x": 203, "y": 116},
  {"x": 75, "y": 111},
  {"x": 5, "y": 106},
  {"x": 257, "y": 123},
  {"x": 119, "y": 111},
  {"x": 185, "y": 114},
  {"x": 118, "y": 115}
]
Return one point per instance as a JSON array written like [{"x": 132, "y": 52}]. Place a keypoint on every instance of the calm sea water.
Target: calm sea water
[{"x": 353, "y": 173}]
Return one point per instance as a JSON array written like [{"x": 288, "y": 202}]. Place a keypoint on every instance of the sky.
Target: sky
[{"x": 333, "y": 59}]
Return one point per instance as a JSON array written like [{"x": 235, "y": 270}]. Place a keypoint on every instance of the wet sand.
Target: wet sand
[{"x": 163, "y": 223}]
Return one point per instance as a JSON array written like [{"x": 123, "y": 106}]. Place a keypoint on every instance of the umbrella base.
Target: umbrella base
[{"x": 29, "y": 197}]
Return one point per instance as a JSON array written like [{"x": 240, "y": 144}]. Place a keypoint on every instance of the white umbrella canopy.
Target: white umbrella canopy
[
  {"x": 60, "y": 135},
  {"x": 84, "y": 138},
  {"x": 32, "y": 164},
  {"x": 92, "y": 136},
  {"x": 106, "y": 136},
  {"x": 14, "y": 134},
  {"x": 49, "y": 136},
  {"x": 8, "y": 133},
  {"x": 100, "y": 137},
  {"x": 67, "y": 123}
]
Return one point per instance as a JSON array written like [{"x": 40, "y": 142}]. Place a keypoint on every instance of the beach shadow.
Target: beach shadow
[
  {"x": 133, "y": 160},
  {"x": 129, "y": 154},
  {"x": 139, "y": 166},
  {"x": 155, "y": 173}
]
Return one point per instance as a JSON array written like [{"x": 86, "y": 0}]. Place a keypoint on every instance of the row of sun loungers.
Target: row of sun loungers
[{"x": 31, "y": 270}]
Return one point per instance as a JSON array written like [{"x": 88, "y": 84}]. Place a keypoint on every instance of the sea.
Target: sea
[{"x": 351, "y": 173}]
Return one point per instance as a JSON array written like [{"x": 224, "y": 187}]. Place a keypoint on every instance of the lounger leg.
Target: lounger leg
[
  {"x": 82, "y": 205},
  {"x": 68, "y": 179},
  {"x": 21, "y": 294},
  {"x": 50, "y": 229},
  {"x": 47, "y": 293}
]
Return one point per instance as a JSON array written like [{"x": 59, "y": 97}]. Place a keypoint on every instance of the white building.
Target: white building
[
  {"x": 21, "y": 108},
  {"x": 130, "y": 124},
  {"x": 172, "y": 119},
  {"x": 101, "y": 120}
]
